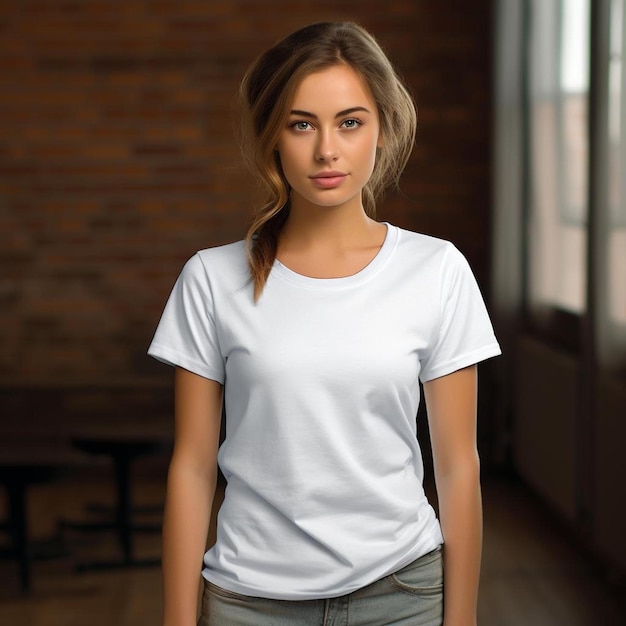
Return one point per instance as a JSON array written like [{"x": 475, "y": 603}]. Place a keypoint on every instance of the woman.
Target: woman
[{"x": 316, "y": 330}]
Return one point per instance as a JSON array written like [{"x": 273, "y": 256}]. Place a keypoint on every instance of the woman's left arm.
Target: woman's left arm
[{"x": 451, "y": 403}]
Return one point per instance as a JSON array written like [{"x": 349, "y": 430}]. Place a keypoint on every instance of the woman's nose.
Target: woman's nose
[{"x": 326, "y": 149}]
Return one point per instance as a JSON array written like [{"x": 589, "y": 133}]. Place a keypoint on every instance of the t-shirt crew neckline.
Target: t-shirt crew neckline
[{"x": 342, "y": 282}]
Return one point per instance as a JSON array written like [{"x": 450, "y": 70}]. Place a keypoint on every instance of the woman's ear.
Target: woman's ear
[{"x": 380, "y": 143}]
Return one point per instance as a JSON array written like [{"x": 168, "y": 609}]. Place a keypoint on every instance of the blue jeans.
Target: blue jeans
[{"x": 412, "y": 596}]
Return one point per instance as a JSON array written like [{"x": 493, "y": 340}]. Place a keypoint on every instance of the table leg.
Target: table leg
[{"x": 19, "y": 530}]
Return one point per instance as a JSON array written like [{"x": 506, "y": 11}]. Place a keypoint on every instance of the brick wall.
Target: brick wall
[{"x": 117, "y": 159}]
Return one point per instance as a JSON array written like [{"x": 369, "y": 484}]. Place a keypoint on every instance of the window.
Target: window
[
  {"x": 558, "y": 86},
  {"x": 560, "y": 242}
]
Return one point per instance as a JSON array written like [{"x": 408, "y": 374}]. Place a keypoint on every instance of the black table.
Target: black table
[
  {"x": 22, "y": 465},
  {"x": 123, "y": 446}
]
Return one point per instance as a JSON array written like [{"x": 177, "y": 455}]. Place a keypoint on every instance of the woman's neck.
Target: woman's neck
[
  {"x": 332, "y": 228},
  {"x": 329, "y": 242}
]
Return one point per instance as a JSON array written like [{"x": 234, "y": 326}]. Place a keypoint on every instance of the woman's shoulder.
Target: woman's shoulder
[
  {"x": 226, "y": 254},
  {"x": 422, "y": 245},
  {"x": 225, "y": 262},
  {"x": 430, "y": 256}
]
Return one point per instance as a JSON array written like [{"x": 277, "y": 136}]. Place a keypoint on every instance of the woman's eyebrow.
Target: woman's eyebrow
[{"x": 340, "y": 114}]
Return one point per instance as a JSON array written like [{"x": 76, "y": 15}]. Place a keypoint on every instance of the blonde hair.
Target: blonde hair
[{"x": 266, "y": 93}]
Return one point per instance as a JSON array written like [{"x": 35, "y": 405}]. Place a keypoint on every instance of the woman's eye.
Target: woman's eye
[
  {"x": 301, "y": 125},
  {"x": 351, "y": 123}
]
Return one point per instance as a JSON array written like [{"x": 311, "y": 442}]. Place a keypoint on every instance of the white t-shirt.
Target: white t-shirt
[{"x": 321, "y": 379}]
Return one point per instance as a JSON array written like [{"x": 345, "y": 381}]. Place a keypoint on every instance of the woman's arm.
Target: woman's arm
[
  {"x": 451, "y": 408},
  {"x": 191, "y": 484}
]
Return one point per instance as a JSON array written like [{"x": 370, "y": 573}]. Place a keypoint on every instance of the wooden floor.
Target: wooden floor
[{"x": 532, "y": 575}]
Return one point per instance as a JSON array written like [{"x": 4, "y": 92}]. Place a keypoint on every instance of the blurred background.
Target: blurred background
[{"x": 118, "y": 162}]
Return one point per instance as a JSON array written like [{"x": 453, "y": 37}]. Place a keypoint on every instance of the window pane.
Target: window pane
[{"x": 558, "y": 88}]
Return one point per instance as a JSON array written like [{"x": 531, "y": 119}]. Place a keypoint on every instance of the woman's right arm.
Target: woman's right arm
[{"x": 191, "y": 482}]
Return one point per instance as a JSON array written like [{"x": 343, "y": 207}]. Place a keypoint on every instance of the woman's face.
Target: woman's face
[{"x": 328, "y": 146}]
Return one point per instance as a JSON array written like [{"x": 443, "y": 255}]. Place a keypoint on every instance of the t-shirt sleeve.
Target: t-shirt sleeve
[
  {"x": 187, "y": 335},
  {"x": 464, "y": 335}
]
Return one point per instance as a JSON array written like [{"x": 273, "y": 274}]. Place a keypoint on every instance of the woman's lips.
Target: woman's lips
[{"x": 328, "y": 180}]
